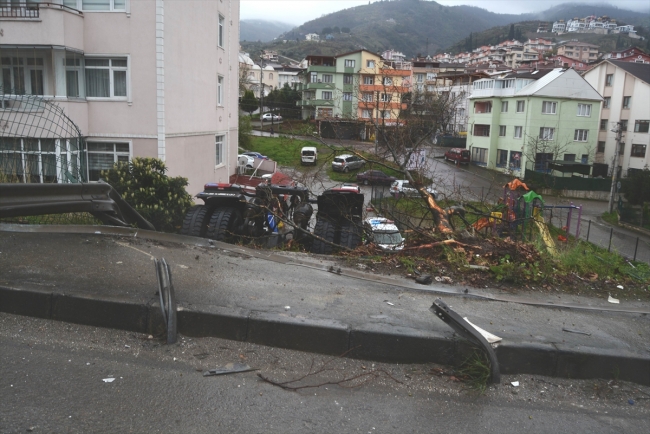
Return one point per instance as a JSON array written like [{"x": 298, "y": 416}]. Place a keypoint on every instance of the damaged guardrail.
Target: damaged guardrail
[
  {"x": 167, "y": 298},
  {"x": 97, "y": 198},
  {"x": 467, "y": 331}
]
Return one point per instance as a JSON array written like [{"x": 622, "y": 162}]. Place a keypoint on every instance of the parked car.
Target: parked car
[
  {"x": 350, "y": 186},
  {"x": 345, "y": 163},
  {"x": 256, "y": 155},
  {"x": 384, "y": 233},
  {"x": 309, "y": 155},
  {"x": 402, "y": 188},
  {"x": 271, "y": 116},
  {"x": 457, "y": 155},
  {"x": 375, "y": 177},
  {"x": 249, "y": 161}
]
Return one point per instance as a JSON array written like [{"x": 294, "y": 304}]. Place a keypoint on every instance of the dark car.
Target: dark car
[
  {"x": 457, "y": 155},
  {"x": 375, "y": 177}
]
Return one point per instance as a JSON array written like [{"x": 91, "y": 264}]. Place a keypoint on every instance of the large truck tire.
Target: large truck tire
[
  {"x": 350, "y": 235},
  {"x": 195, "y": 223},
  {"x": 325, "y": 230},
  {"x": 223, "y": 224}
]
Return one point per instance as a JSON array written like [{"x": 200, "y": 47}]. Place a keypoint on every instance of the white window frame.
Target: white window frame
[
  {"x": 549, "y": 107},
  {"x": 349, "y": 63},
  {"x": 368, "y": 80},
  {"x": 326, "y": 95},
  {"x": 366, "y": 113},
  {"x": 367, "y": 97},
  {"x": 116, "y": 154},
  {"x": 220, "y": 90},
  {"x": 502, "y": 130},
  {"x": 347, "y": 96},
  {"x": 627, "y": 102},
  {"x": 385, "y": 97},
  {"x": 79, "y": 5},
  {"x": 327, "y": 78},
  {"x": 518, "y": 132},
  {"x": 584, "y": 110},
  {"x": 111, "y": 75},
  {"x": 220, "y": 34},
  {"x": 388, "y": 81},
  {"x": 504, "y": 106},
  {"x": 219, "y": 150},
  {"x": 370, "y": 63},
  {"x": 76, "y": 66},
  {"x": 580, "y": 135},
  {"x": 521, "y": 103},
  {"x": 386, "y": 114},
  {"x": 547, "y": 134}
]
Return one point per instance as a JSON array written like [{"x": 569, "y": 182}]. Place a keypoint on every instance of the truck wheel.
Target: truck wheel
[
  {"x": 326, "y": 230},
  {"x": 223, "y": 224},
  {"x": 195, "y": 223},
  {"x": 350, "y": 235}
]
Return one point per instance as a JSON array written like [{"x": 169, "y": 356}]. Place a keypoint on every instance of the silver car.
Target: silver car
[
  {"x": 402, "y": 188},
  {"x": 345, "y": 163}
]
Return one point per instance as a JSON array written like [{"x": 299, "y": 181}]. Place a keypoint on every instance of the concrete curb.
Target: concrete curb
[{"x": 377, "y": 342}]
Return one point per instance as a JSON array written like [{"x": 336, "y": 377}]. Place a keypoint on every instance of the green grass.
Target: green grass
[
  {"x": 476, "y": 371},
  {"x": 611, "y": 218},
  {"x": 284, "y": 150}
]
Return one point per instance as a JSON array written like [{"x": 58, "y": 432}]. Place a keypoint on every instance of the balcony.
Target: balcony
[
  {"x": 41, "y": 24},
  {"x": 13, "y": 10},
  {"x": 314, "y": 102},
  {"x": 318, "y": 85}
]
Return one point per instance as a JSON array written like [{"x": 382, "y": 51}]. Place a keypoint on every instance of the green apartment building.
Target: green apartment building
[{"x": 539, "y": 120}]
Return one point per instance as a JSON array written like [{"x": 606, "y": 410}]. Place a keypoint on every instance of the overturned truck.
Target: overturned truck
[{"x": 272, "y": 215}]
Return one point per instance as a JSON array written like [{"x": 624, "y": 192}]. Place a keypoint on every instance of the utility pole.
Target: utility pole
[
  {"x": 617, "y": 150},
  {"x": 262, "y": 93}
]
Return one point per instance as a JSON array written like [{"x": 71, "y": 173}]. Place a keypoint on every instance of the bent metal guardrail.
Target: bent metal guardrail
[{"x": 97, "y": 198}]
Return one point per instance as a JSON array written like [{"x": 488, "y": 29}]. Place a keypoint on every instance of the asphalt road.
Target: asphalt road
[{"x": 52, "y": 380}]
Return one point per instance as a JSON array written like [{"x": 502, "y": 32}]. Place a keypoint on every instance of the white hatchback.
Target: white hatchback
[{"x": 402, "y": 188}]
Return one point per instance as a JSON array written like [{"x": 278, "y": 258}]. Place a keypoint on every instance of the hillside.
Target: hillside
[{"x": 261, "y": 30}]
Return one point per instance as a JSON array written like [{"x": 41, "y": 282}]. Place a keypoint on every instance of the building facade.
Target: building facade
[
  {"x": 625, "y": 87},
  {"x": 521, "y": 122},
  {"x": 138, "y": 78},
  {"x": 579, "y": 50}
]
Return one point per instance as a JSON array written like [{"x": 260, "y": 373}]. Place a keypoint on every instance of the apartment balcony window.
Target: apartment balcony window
[
  {"x": 502, "y": 158},
  {"x": 104, "y": 155},
  {"x": 367, "y": 114},
  {"x": 483, "y": 107},
  {"x": 431, "y": 75},
  {"x": 546, "y": 133},
  {"x": 638, "y": 151},
  {"x": 366, "y": 97},
  {"x": 22, "y": 74},
  {"x": 385, "y": 97},
  {"x": 347, "y": 79},
  {"x": 502, "y": 130},
  {"x": 549, "y": 107},
  {"x": 504, "y": 107},
  {"x": 627, "y": 101},
  {"x": 419, "y": 78},
  {"x": 584, "y": 110},
  {"x": 368, "y": 80},
  {"x": 327, "y": 78},
  {"x": 326, "y": 95},
  {"x": 607, "y": 101},
  {"x": 106, "y": 77},
  {"x": 580, "y": 135},
  {"x": 641, "y": 126},
  {"x": 347, "y": 96},
  {"x": 600, "y": 148},
  {"x": 19, "y": 9},
  {"x": 603, "y": 124},
  {"x": 609, "y": 79},
  {"x": 481, "y": 130},
  {"x": 388, "y": 81},
  {"x": 521, "y": 106},
  {"x": 624, "y": 124},
  {"x": 349, "y": 63},
  {"x": 370, "y": 64},
  {"x": 518, "y": 132},
  {"x": 96, "y": 5},
  {"x": 219, "y": 141}
]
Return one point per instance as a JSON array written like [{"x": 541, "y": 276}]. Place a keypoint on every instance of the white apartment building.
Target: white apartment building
[{"x": 139, "y": 78}]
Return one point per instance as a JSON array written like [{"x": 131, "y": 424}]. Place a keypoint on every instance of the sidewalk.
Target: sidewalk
[{"x": 105, "y": 277}]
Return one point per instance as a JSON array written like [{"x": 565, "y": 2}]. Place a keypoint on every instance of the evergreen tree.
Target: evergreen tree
[
  {"x": 248, "y": 102},
  {"x": 511, "y": 34}
]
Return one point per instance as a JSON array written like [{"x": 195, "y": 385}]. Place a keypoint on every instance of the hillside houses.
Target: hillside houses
[{"x": 592, "y": 24}]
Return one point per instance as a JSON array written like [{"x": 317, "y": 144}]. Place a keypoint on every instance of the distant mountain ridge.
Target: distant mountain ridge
[{"x": 262, "y": 30}]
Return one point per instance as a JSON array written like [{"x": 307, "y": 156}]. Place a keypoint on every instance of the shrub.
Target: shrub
[{"x": 157, "y": 197}]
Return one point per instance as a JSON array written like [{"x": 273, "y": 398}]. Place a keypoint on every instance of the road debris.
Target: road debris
[
  {"x": 515, "y": 383},
  {"x": 613, "y": 300},
  {"x": 564, "y": 329},
  {"x": 389, "y": 303},
  {"x": 108, "y": 380},
  {"x": 486, "y": 334},
  {"x": 230, "y": 368},
  {"x": 425, "y": 279}
]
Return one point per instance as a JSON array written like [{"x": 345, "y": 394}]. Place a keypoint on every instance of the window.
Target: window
[
  {"x": 479, "y": 155},
  {"x": 504, "y": 107},
  {"x": 96, "y": 5},
  {"x": 326, "y": 95},
  {"x": 388, "y": 81},
  {"x": 580, "y": 135},
  {"x": 601, "y": 147},
  {"x": 218, "y": 148},
  {"x": 324, "y": 112},
  {"x": 569, "y": 157},
  {"x": 546, "y": 133},
  {"x": 584, "y": 158},
  {"x": 521, "y": 105},
  {"x": 74, "y": 77},
  {"x": 549, "y": 107},
  {"x": 515, "y": 160},
  {"x": 431, "y": 76},
  {"x": 367, "y": 79},
  {"x": 370, "y": 63},
  {"x": 366, "y": 97},
  {"x": 385, "y": 97},
  {"x": 106, "y": 78},
  {"x": 483, "y": 107},
  {"x": 220, "y": 36},
  {"x": 104, "y": 155},
  {"x": 219, "y": 90},
  {"x": 607, "y": 102},
  {"x": 386, "y": 114},
  {"x": 518, "y": 132},
  {"x": 22, "y": 75},
  {"x": 502, "y": 130},
  {"x": 609, "y": 78},
  {"x": 623, "y": 124},
  {"x": 347, "y": 78},
  {"x": 502, "y": 158},
  {"x": 621, "y": 149},
  {"x": 366, "y": 114},
  {"x": 419, "y": 78},
  {"x": 314, "y": 77},
  {"x": 327, "y": 78},
  {"x": 349, "y": 63},
  {"x": 626, "y": 102},
  {"x": 584, "y": 110},
  {"x": 603, "y": 124},
  {"x": 347, "y": 96},
  {"x": 638, "y": 151},
  {"x": 641, "y": 126},
  {"x": 481, "y": 130}
]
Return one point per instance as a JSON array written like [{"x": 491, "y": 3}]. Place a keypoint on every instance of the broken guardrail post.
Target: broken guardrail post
[
  {"x": 167, "y": 298},
  {"x": 463, "y": 328}
]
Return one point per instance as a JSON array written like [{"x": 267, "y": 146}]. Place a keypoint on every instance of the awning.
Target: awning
[{"x": 570, "y": 167}]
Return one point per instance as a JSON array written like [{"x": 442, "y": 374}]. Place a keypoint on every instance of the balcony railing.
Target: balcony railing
[{"x": 13, "y": 10}]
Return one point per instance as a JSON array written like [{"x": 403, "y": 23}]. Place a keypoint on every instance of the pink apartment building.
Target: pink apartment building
[{"x": 139, "y": 78}]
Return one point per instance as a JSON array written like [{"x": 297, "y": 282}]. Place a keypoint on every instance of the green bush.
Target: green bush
[{"x": 157, "y": 197}]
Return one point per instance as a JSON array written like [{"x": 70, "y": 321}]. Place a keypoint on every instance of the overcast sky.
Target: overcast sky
[{"x": 301, "y": 11}]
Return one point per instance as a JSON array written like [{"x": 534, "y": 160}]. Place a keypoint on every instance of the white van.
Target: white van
[{"x": 308, "y": 155}]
